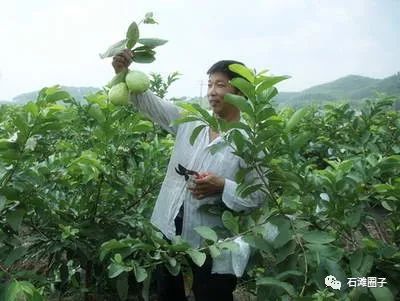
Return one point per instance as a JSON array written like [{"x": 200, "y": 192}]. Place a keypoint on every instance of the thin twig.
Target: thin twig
[{"x": 305, "y": 258}]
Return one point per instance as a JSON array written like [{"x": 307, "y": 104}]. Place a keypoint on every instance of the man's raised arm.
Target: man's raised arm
[{"x": 159, "y": 110}]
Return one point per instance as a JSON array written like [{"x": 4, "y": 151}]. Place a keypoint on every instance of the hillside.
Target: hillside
[
  {"x": 77, "y": 92},
  {"x": 349, "y": 88},
  {"x": 352, "y": 88},
  {"x": 342, "y": 86}
]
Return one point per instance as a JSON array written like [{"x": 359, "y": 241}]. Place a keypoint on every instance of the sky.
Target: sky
[{"x": 45, "y": 42}]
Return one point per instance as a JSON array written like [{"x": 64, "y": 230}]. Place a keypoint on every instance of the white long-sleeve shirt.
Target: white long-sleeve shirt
[{"x": 174, "y": 191}]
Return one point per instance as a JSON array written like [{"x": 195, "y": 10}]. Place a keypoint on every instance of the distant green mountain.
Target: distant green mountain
[
  {"x": 77, "y": 92},
  {"x": 342, "y": 86},
  {"x": 350, "y": 88}
]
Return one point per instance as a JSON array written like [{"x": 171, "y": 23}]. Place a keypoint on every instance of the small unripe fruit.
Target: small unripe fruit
[
  {"x": 119, "y": 94},
  {"x": 137, "y": 81}
]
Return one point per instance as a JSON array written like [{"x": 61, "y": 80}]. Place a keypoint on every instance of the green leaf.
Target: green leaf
[
  {"x": 238, "y": 139},
  {"x": 287, "y": 274},
  {"x": 206, "y": 115},
  {"x": 118, "y": 78},
  {"x": 265, "y": 113},
  {"x": 270, "y": 93},
  {"x": 296, "y": 118},
  {"x": 353, "y": 217},
  {"x": 142, "y": 127},
  {"x": 130, "y": 43},
  {"x": 259, "y": 243},
  {"x": 185, "y": 119},
  {"x": 240, "y": 102},
  {"x": 366, "y": 266},
  {"x": 132, "y": 33},
  {"x": 96, "y": 113},
  {"x": 268, "y": 82},
  {"x": 386, "y": 206},
  {"x": 326, "y": 251},
  {"x": 230, "y": 222},
  {"x": 235, "y": 125},
  {"x": 5, "y": 144},
  {"x": 152, "y": 43},
  {"x": 244, "y": 86},
  {"x": 118, "y": 258},
  {"x": 335, "y": 269},
  {"x": 144, "y": 49},
  {"x": 114, "y": 49},
  {"x": 284, "y": 252},
  {"x": 229, "y": 245},
  {"x": 146, "y": 288},
  {"x": 15, "y": 255},
  {"x": 109, "y": 246},
  {"x": 300, "y": 140},
  {"x": 114, "y": 270},
  {"x": 179, "y": 245},
  {"x": 27, "y": 287},
  {"x": 172, "y": 261},
  {"x": 318, "y": 237},
  {"x": 389, "y": 164},
  {"x": 13, "y": 291},
  {"x": 196, "y": 133},
  {"x": 32, "y": 108},
  {"x": 284, "y": 232},
  {"x": 140, "y": 273},
  {"x": 14, "y": 218},
  {"x": 46, "y": 127},
  {"x": 143, "y": 57},
  {"x": 122, "y": 286},
  {"x": 246, "y": 190},
  {"x": 356, "y": 260},
  {"x": 242, "y": 173},
  {"x": 57, "y": 96},
  {"x": 207, "y": 233},
  {"x": 174, "y": 270},
  {"x": 382, "y": 293},
  {"x": 269, "y": 281},
  {"x": 188, "y": 107},
  {"x": 242, "y": 71},
  {"x": 198, "y": 257},
  {"x": 214, "y": 251},
  {"x": 3, "y": 201}
]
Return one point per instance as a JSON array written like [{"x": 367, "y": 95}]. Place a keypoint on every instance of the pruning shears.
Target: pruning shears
[{"x": 183, "y": 171}]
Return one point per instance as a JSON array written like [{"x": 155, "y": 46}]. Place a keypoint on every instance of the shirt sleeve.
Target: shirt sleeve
[
  {"x": 158, "y": 110},
  {"x": 233, "y": 201}
]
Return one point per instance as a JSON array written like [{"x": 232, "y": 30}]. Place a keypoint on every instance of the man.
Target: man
[{"x": 177, "y": 210}]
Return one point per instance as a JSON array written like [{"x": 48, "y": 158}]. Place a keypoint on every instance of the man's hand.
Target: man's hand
[
  {"x": 122, "y": 60},
  {"x": 207, "y": 184}
]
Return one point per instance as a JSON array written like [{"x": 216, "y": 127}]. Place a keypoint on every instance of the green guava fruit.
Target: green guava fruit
[
  {"x": 119, "y": 94},
  {"x": 137, "y": 81}
]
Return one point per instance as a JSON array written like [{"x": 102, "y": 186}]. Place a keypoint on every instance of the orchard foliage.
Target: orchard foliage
[
  {"x": 72, "y": 176},
  {"x": 78, "y": 182},
  {"x": 332, "y": 181}
]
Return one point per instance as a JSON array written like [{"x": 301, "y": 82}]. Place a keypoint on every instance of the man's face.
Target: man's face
[{"x": 218, "y": 86}]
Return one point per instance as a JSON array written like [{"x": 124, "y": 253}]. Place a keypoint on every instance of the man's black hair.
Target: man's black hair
[{"x": 223, "y": 67}]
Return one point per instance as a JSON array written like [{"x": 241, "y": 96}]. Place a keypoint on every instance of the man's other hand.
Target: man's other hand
[{"x": 207, "y": 184}]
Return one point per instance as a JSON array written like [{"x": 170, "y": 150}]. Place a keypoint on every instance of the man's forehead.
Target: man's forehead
[{"x": 218, "y": 77}]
